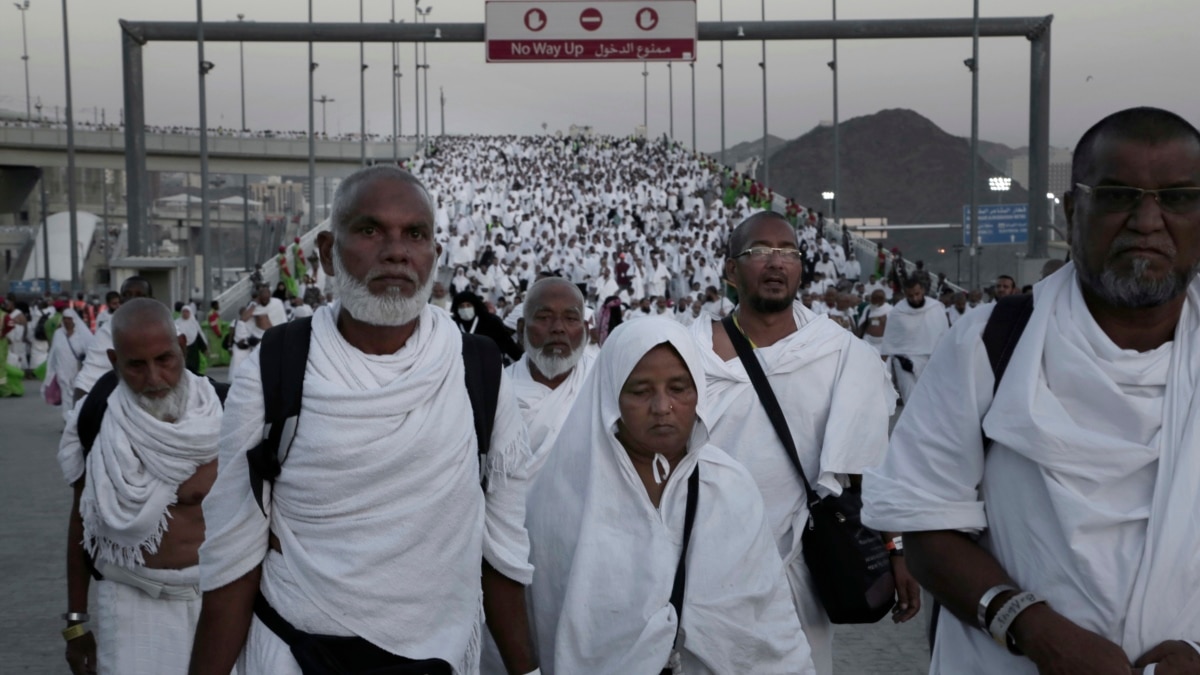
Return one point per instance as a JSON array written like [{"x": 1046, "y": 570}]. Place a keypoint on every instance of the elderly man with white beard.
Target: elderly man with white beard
[
  {"x": 136, "y": 523},
  {"x": 548, "y": 377},
  {"x": 369, "y": 549}
]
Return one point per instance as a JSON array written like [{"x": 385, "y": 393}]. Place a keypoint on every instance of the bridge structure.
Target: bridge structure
[{"x": 44, "y": 147}]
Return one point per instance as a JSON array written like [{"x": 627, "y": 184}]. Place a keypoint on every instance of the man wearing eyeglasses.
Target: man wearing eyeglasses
[
  {"x": 1066, "y": 542},
  {"x": 831, "y": 386}
]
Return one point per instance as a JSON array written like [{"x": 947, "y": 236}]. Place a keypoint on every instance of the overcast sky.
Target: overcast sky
[{"x": 1107, "y": 55}]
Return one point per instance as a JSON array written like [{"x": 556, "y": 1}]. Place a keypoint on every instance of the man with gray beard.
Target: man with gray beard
[
  {"x": 141, "y": 455},
  {"x": 375, "y": 548},
  {"x": 548, "y": 377},
  {"x": 1052, "y": 511}
]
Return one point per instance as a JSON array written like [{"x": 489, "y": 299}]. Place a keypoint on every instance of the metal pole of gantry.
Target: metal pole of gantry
[
  {"x": 645, "y": 100},
  {"x": 205, "y": 233},
  {"x": 45, "y": 227},
  {"x": 75, "y": 285},
  {"x": 425, "y": 67},
  {"x": 1039, "y": 141},
  {"x": 442, "y": 95},
  {"x": 395, "y": 110}
]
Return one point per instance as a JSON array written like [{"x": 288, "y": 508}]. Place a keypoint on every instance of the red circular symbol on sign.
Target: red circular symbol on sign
[
  {"x": 647, "y": 18},
  {"x": 535, "y": 19},
  {"x": 590, "y": 19}
]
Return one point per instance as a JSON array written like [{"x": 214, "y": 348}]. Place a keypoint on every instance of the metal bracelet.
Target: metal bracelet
[
  {"x": 76, "y": 616},
  {"x": 988, "y": 596}
]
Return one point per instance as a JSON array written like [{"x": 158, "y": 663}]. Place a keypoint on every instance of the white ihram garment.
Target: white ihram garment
[
  {"x": 1089, "y": 489},
  {"x": 837, "y": 399},
  {"x": 62, "y": 366},
  {"x": 605, "y": 557},
  {"x": 96, "y": 363},
  {"x": 135, "y": 468},
  {"x": 140, "y": 635},
  {"x": 378, "y": 509},
  {"x": 544, "y": 409},
  {"x": 913, "y": 332}
]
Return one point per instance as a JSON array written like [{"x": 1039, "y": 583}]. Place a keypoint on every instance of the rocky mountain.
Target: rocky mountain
[{"x": 895, "y": 164}]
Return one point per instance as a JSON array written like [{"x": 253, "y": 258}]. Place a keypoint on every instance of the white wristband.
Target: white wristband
[
  {"x": 535, "y": 671},
  {"x": 1008, "y": 613}
]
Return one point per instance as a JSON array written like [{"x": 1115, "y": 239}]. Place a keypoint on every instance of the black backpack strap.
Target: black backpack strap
[
  {"x": 1003, "y": 331},
  {"x": 766, "y": 395},
  {"x": 91, "y": 414},
  {"x": 283, "y": 357},
  {"x": 222, "y": 389},
  {"x": 689, "y": 519},
  {"x": 483, "y": 365}
]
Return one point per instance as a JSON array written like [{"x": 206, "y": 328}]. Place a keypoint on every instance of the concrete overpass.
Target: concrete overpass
[{"x": 47, "y": 147}]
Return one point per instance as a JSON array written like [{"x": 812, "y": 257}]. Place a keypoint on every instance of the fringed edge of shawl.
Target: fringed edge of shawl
[
  {"x": 100, "y": 548},
  {"x": 510, "y": 459},
  {"x": 470, "y": 662}
]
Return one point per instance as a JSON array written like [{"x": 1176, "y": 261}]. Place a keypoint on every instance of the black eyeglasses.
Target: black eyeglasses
[
  {"x": 764, "y": 252},
  {"x": 1121, "y": 199}
]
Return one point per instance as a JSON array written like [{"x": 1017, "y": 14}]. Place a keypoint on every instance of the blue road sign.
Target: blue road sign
[
  {"x": 998, "y": 224},
  {"x": 33, "y": 287}
]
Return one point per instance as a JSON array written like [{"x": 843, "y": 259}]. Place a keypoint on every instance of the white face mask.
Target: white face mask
[{"x": 466, "y": 313}]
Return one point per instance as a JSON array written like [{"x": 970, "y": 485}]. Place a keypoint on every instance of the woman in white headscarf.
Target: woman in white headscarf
[
  {"x": 606, "y": 524},
  {"x": 67, "y": 351},
  {"x": 187, "y": 326}
]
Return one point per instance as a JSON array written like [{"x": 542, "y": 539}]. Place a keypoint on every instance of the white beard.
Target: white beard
[
  {"x": 552, "y": 366},
  {"x": 390, "y": 309},
  {"x": 169, "y": 408}
]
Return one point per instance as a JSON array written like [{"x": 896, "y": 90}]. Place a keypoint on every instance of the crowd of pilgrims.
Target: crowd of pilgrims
[{"x": 639, "y": 226}]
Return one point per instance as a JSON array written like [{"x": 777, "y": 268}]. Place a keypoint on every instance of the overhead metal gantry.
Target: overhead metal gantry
[{"x": 135, "y": 35}]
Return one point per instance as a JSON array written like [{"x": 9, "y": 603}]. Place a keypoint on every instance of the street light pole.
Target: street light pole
[
  {"x": 25, "y": 57},
  {"x": 312, "y": 132},
  {"x": 671, "y": 100},
  {"x": 645, "y": 100},
  {"x": 442, "y": 94},
  {"x": 837, "y": 145},
  {"x": 974, "y": 66},
  {"x": 692, "y": 67},
  {"x": 395, "y": 110},
  {"x": 245, "y": 181},
  {"x": 323, "y": 100},
  {"x": 417, "y": 73},
  {"x": 205, "y": 233},
  {"x": 721, "y": 66},
  {"x": 362, "y": 93},
  {"x": 766, "y": 160},
  {"x": 75, "y": 286},
  {"x": 425, "y": 67}
]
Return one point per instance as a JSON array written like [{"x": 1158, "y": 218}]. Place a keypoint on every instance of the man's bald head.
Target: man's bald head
[
  {"x": 138, "y": 316},
  {"x": 535, "y": 298},
  {"x": 742, "y": 233}
]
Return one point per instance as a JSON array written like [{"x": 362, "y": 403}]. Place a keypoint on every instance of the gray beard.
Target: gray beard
[
  {"x": 391, "y": 308},
  {"x": 1131, "y": 291},
  {"x": 553, "y": 366},
  {"x": 169, "y": 408}
]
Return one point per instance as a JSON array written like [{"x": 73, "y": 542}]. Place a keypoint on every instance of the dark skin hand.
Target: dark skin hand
[
  {"x": 80, "y": 652},
  {"x": 1174, "y": 657},
  {"x": 508, "y": 621},
  {"x": 225, "y": 615},
  {"x": 958, "y": 571}
]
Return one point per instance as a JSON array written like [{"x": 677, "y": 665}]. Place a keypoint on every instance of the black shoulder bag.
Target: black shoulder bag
[{"x": 850, "y": 568}]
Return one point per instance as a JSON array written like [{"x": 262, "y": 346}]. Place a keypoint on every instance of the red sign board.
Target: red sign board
[{"x": 591, "y": 30}]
